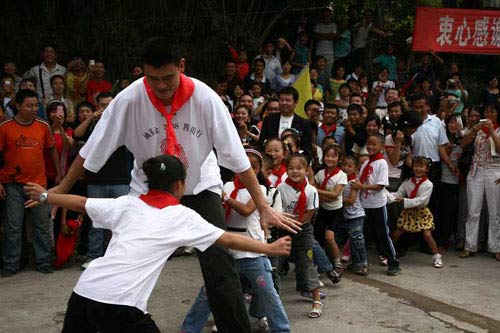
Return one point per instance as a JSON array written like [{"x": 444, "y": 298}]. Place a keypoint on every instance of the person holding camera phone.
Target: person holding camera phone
[{"x": 454, "y": 86}]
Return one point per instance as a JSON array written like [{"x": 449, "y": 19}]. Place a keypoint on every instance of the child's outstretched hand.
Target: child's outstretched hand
[{"x": 281, "y": 247}]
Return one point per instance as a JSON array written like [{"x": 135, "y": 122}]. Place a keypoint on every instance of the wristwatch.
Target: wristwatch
[{"x": 43, "y": 197}]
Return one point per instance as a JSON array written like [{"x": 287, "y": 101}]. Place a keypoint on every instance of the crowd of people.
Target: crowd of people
[{"x": 378, "y": 160}]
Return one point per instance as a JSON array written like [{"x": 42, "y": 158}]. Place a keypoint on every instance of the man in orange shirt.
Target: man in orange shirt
[{"x": 23, "y": 140}]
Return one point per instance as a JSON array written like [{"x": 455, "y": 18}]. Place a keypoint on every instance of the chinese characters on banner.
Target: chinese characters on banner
[{"x": 456, "y": 30}]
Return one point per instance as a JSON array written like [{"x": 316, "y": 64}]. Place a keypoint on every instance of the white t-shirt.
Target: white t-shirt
[
  {"x": 325, "y": 46},
  {"x": 290, "y": 197},
  {"x": 339, "y": 179},
  {"x": 423, "y": 194},
  {"x": 143, "y": 239},
  {"x": 274, "y": 199},
  {"x": 285, "y": 123},
  {"x": 394, "y": 170},
  {"x": 379, "y": 176},
  {"x": 355, "y": 210},
  {"x": 201, "y": 125},
  {"x": 428, "y": 137},
  {"x": 381, "y": 98},
  {"x": 274, "y": 179},
  {"x": 250, "y": 223}
]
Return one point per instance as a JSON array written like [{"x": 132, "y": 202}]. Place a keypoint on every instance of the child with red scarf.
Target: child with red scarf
[
  {"x": 301, "y": 200},
  {"x": 146, "y": 232},
  {"x": 373, "y": 178},
  {"x": 415, "y": 194},
  {"x": 276, "y": 148},
  {"x": 330, "y": 183}
]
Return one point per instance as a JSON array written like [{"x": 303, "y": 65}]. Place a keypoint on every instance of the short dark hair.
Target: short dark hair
[
  {"x": 53, "y": 78},
  {"x": 22, "y": 94},
  {"x": 159, "y": 51},
  {"x": 311, "y": 102},
  {"x": 52, "y": 107},
  {"x": 86, "y": 105},
  {"x": 331, "y": 106},
  {"x": 259, "y": 60},
  {"x": 419, "y": 96},
  {"x": 355, "y": 107},
  {"x": 8, "y": 76},
  {"x": 396, "y": 104},
  {"x": 28, "y": 79},
  {"x": 290, "y": 91},
  {"x": 104, "y": 94},
  {"x": 163, "y": 171}
]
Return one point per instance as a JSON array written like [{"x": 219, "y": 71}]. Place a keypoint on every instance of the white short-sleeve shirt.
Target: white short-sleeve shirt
[
  {"x": 325, "y": 46},
  {"x": 339, "y": 179},
  {"x": 144, "y": 238},
  {"x": 290, "y": 197},
  {"x": 379, "y": 176},
  {"x": 428, "y": 137},
  {"x": 201, "y": 125},
  {"x": 250, "y": 223}
]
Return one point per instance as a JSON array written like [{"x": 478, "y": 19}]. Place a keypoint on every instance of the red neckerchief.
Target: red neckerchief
[
  {"x": 181, "y": 96},
  {"x": 300, "y": 208},
  {"x": 368, "y": 170},
  {"x": 238, "y": 185},
  {"x": 486, "y": 130},
  {"x": 279, "y": 173},
  {"x": 350, "y": 177},
  {"x": 328, "y": 176},
  {"x": 329, "y": 130},
  {"x": 159, "y": 199},
  {"x": 414, "y": 193}
]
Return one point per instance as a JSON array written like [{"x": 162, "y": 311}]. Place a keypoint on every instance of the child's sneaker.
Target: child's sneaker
[
  {"x": 438, "y": 260},
  {"x": 382, "y": 260}
]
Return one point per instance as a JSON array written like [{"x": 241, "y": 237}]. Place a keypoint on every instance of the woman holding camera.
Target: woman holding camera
[{"x": 484, "y": 171}]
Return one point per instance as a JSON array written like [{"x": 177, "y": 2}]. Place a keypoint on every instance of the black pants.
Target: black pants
[
  {"x": 222, "y": 282},
  {"x": 448, "y": 213},
  {"x": 376, "y": 223},
  {"x": 85, "y": 316}
]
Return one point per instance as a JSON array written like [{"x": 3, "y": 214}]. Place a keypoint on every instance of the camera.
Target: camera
[{"x": 394, "y": 126}]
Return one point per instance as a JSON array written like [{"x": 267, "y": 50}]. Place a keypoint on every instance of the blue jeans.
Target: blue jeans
[
  {"x": 96, "y": 235},
  {"x": 353, "y": 229},
  {"x": 320, "y": 258},
  {"x": 14, "y": 216},
  {"x": 265, "y": 300}
]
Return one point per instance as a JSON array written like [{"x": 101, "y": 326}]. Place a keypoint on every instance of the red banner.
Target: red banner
[{"x": 456, "y": 30}]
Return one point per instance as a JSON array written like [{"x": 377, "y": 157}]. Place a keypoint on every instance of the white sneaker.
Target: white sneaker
[
  {"x": 263, "y": 324},
  {"x": 438, "y": 261}
]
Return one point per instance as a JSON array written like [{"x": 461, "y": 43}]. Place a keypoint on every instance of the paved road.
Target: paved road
[{"x": 464, "y": 296}]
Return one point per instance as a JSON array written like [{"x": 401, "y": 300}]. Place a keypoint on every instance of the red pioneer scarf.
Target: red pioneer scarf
[
  {"x": 329, "y": 129},
  {"x": 368, "y": 170},
  {"x": 300, "y": 208},
  {"x": 181, "y": 96},
  {"x": 414, "y": 193},
  {"x": 238, "y": 185},
  {"x": 159, "y": 199},
  {"x": 329, "y": 175},
  {"x": 350, "y": 177},
  {"x": 279, "y": 173}
]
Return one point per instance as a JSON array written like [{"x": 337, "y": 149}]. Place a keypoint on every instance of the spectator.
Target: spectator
[
  {"x": 323, "y": 76},
  {"x": 248, "y": 132},
  {"x": 8, "y": 94},
  {"x": 283, "y": 50},
  {"x": 388, "y": 60},
  {"x": 58, "y": 88},
  {"x": 258, "y": 75},
  {"x": 29, "y": 84},
  {"x": 241, "y": 61},
  {"x": 312, "y": 109},
  {"x": 232, "y": 78},
  {"x": 492, "y": 93},
  {"x": 76, "y": 81},
  {"x": 342, "y": 100},
  {"x": 329, "y": 127},
  {"x": 362, "y": 37},
  {"x": 275, "y": 124},
  {"x": 481, "y": 179},
  {"x": 42, "y": 73},
  {"x": 325, "y": 34},
  {"x": 110, "y": 182},
  {"x": 97, "y": 84},
  {"x": 454, "y": 86},
  {"x": 137, "y": 72},
  {"x": 426, "y": 69},
  {"x": 343, "y": 44},
  {"x": 272, "y": 62},
  {"x": 235, "y": 94},
  {"x": 301, "y": 54},
  {"x": 22, "y": 143},
  {"x": 284, "y": 79},
  {"x": 338, "y": 79},
  {"x": 9, "y": 68},
  {"x": 353, "y": 128},
  {"x": 402, "y": 76},
  {"x": 379, "y": 89}
]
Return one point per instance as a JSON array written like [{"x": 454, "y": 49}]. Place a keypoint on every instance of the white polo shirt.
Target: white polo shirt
[
  {"x": 428, "y": 137},
  {"x": 201, "y": 125},
  {"x": 250, "y": 223},
  {"x": 339, "y": 179},
  {"x": 143, "y": 239},
  {"x": 379, "y": 176}
]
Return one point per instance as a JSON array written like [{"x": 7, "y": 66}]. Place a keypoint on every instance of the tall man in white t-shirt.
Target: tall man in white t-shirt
[
  {"x": 170, "y": 113},
  {"x": 325, "y": 34}
]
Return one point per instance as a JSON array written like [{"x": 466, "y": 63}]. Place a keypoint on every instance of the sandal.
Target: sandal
[
  {"x": 316, "y": 312},
  {"x": 465, "y": 254}
]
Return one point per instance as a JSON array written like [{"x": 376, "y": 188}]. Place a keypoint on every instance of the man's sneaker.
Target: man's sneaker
[
  {"x": 262, "y": 324},
  {"x": 393, "y": 271},
  {"x": 7, "y": 272},
  {"x": 438, "y": 260},
  {"x": 382, "y": 260},
  {"x": 86, "y": 264},
  {"x": 308, "y": 294},
  {"x": 45, "y": 269}
]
